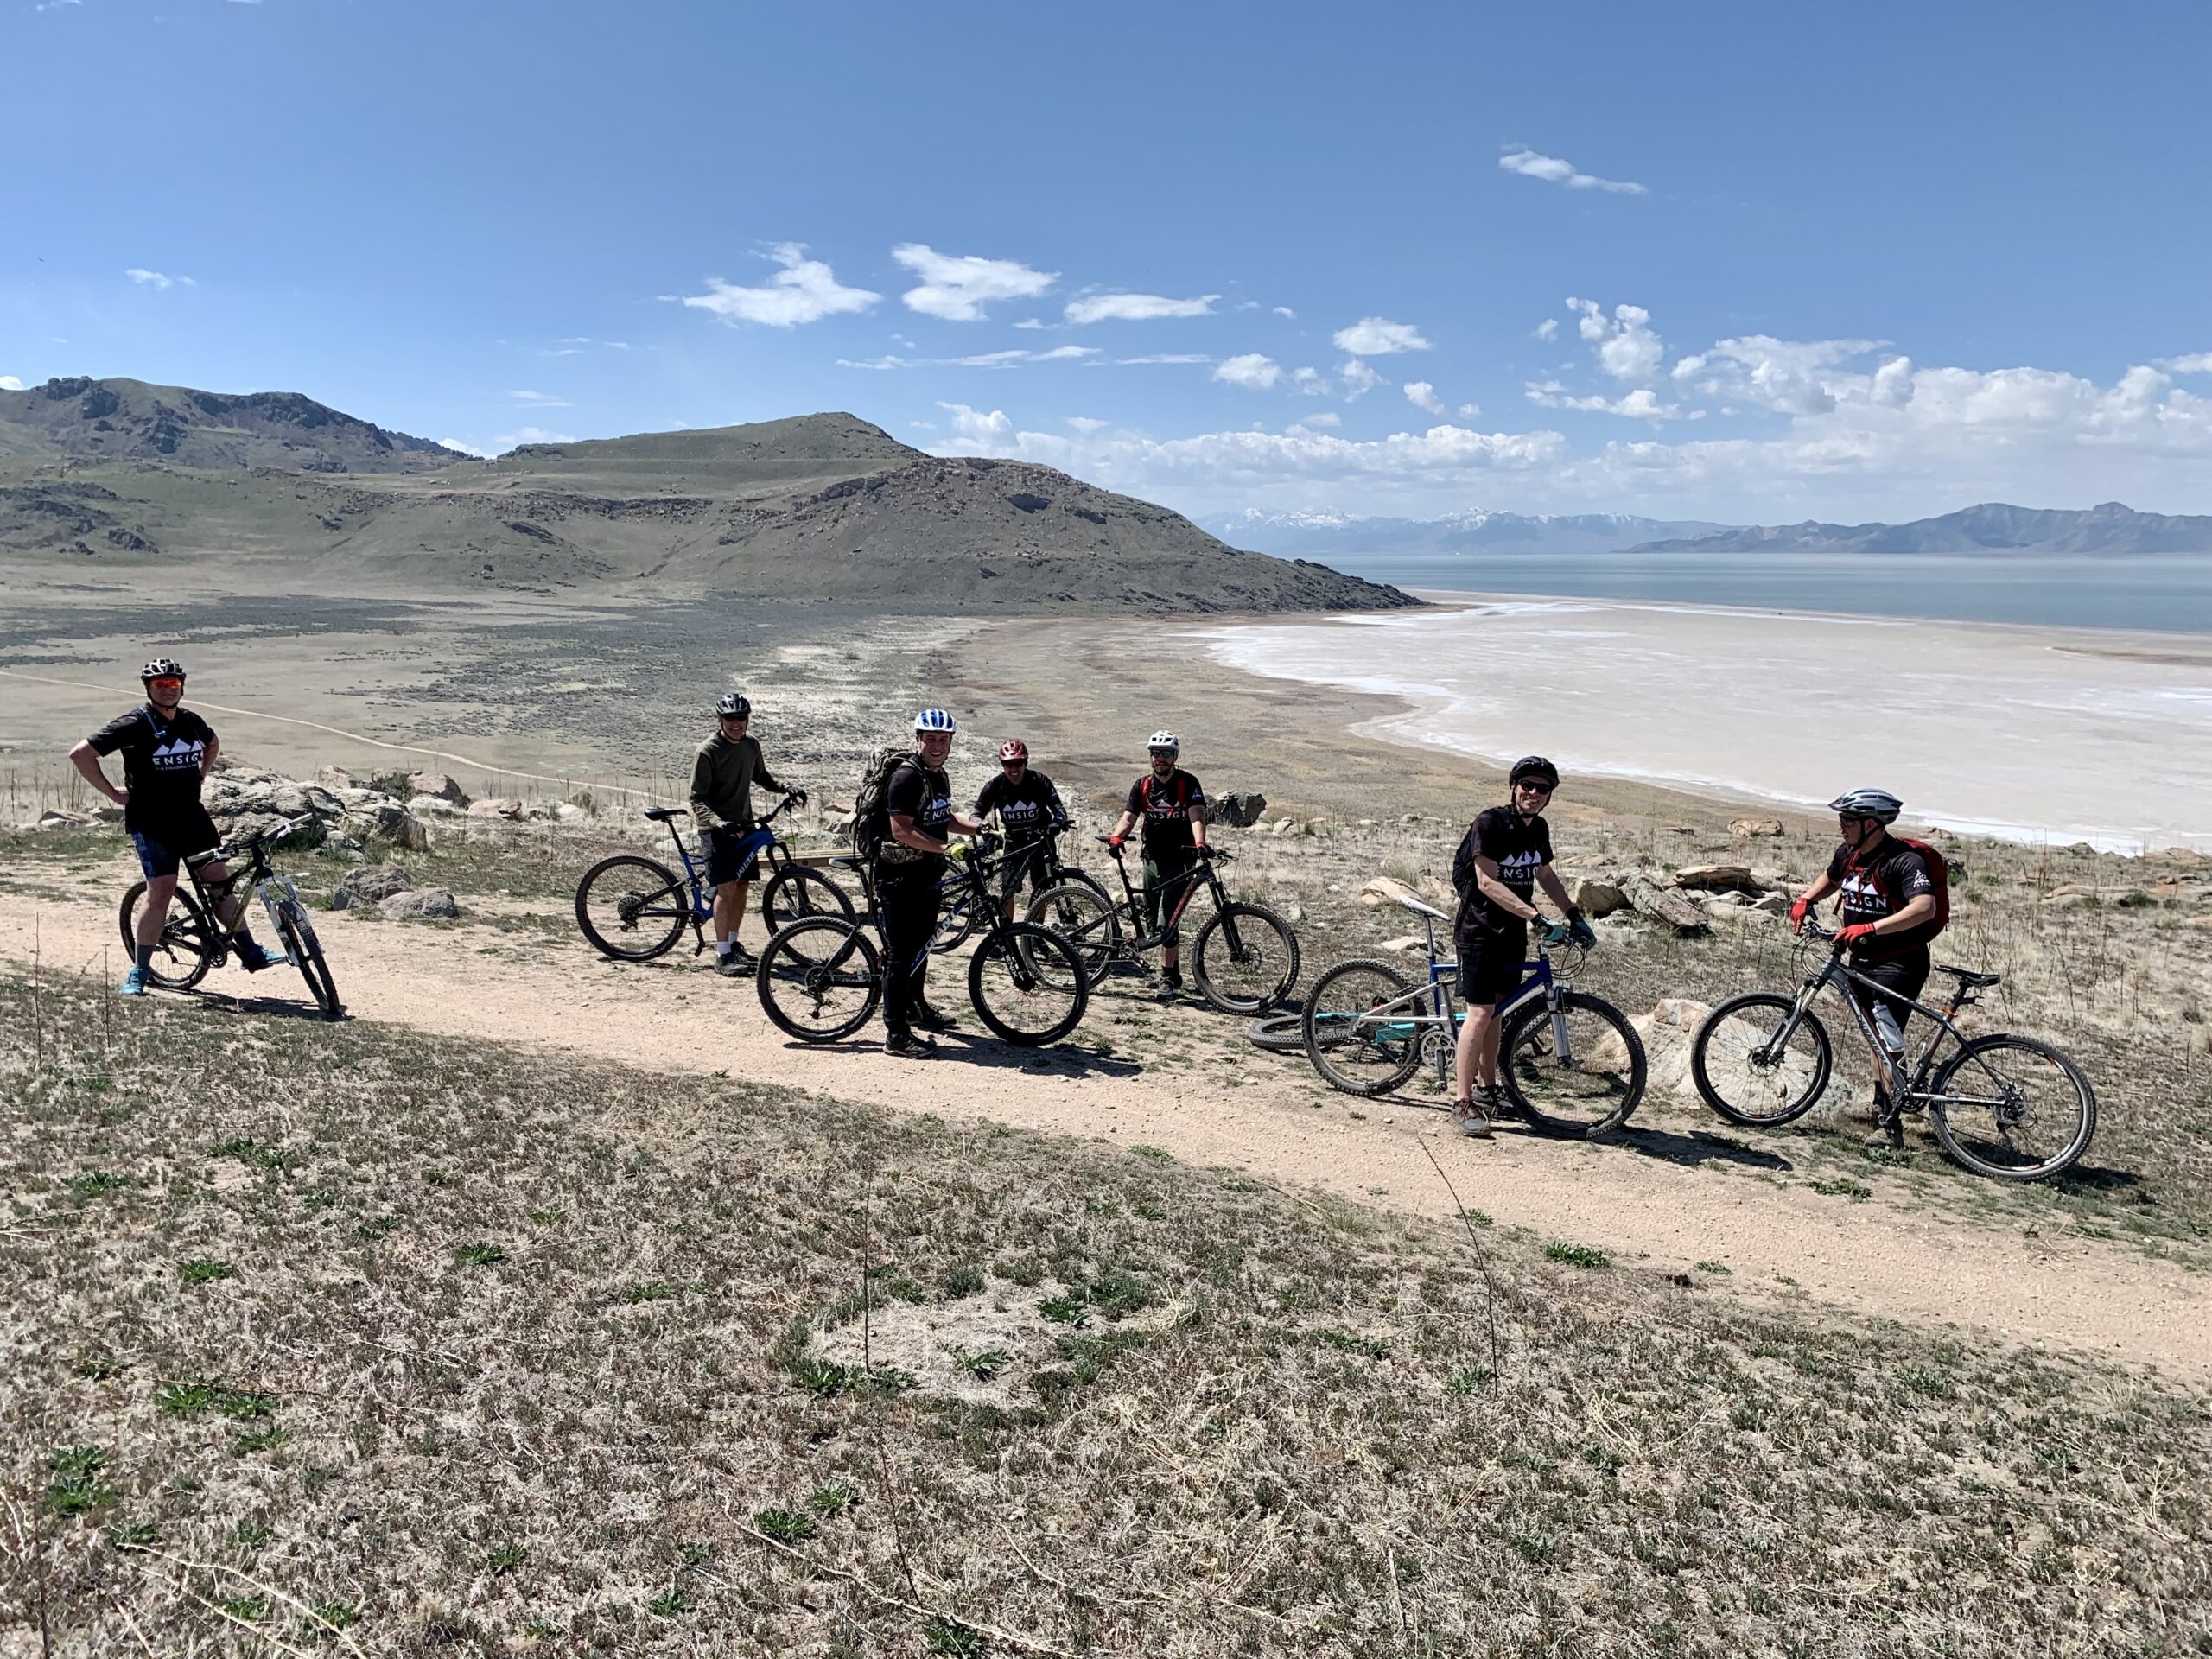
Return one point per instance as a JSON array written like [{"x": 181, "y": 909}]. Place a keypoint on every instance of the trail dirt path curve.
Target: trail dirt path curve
[{"x": 1258, "y": 1117}]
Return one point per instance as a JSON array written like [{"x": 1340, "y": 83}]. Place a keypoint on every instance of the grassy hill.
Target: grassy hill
[{"x": 816, "y": 507}]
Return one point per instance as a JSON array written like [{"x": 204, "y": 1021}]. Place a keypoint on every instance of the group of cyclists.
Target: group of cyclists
[{"x": 1891, "y": 895}]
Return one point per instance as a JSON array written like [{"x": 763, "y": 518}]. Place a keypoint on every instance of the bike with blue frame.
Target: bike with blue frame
[
  {"x": 634, "y": 908},
  {"x": 821, "y": 978},
  {"x": 1569, "y": 1060}
]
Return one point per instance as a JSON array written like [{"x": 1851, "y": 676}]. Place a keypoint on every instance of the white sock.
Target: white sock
[{"x": 723, "y": 946}]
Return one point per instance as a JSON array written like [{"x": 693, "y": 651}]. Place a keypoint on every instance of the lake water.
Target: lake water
[
  {"x": 2172, "y": 592},
  {"x": 2034, "y": 733}
]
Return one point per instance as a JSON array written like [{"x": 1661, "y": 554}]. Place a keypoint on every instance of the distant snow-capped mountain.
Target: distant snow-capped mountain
[{"x": 1321, "y": 533}]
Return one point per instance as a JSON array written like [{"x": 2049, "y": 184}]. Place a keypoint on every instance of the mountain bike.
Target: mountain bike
[
  {"x": 1569, "y": 1060},
  {"x": 821, "y": 977},
  {"x": 1244, "y": 960},
  {"x": 634, "y": 908},
  {"x": 2002, "y": 1105},
  {"x": 193, "y": 941},
  {"x": 1043, "y": 855}
]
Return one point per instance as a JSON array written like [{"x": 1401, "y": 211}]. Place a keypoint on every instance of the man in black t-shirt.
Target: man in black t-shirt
[
  {"x": 1029, "y": 811},
  {"x": 1173, "y": 811},
  {"x": 1889, "y": 913},
  {"x": 1505, "y": 856},
  {"x": 167, "y": 753},
  {"x": 918, "y": 801}
]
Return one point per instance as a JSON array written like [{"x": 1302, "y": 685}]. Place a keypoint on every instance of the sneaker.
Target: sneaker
[
  {"x": 736, "y": 965},
  {"x": 934, "y": 1019},
  {"x": 1471, "y": 1119},
  {"x": 134, "y": 983},
  {"x": 1888, "y": 1136},
  {"x": 253, "y": 958},
  {"x": 1168, "y": 987},
  {"x": 905, "y": 1045}
]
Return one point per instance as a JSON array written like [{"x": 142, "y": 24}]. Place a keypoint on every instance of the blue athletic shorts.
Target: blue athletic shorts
[{"x": 179, "y": 841}]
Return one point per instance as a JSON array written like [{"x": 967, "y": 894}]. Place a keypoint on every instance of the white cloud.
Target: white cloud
[
  {"x": 1359, "y": 378},
  {"x": 956, "y": 287},
  {"x": 10, "y": 383},
  {"x": 505, "y": 441},
  {"x": 1642, "y": 405},
  {"x": 1624, "y": 345},
  {"x": 1377, "y": 337},
  {"x": 1285, "y": 311},
  {"x": 575, "y": 344},
  {"x": 1086, "y": 425},
  {"x": 1552, "y": 170},
  {"x": 539, "y": 399},
  {"x": 1250, "y": 369},
  {"x": 1135, "y": 308},
  {"x": 157, "y": 280},
  {"x": 1468, "y": 411},
  {"x": 1312, "y": 382},
  {"x": 1548, "y": 329},
  {"x": 56, "y": 5},
  {"x": 1319, "y": 418},
  {"x": 1163, "y": 357},
  {"x": 467, "y": 448},
  {"x": 1033, "y": 322},
  {"x": 976, "y": 433},
  {"x": 1422, "y": 396},
  {"x": 1010, "y": 358},
  {"x": 2195, "y": 363},
  {"x": 1793, "y": 377},
  {"x": 804, "y": 290}
]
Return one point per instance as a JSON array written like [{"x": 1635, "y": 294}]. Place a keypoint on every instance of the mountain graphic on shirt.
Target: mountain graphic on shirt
[{"x": 177, "y": 755}]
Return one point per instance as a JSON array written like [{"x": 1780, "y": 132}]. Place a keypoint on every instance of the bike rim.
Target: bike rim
[
  {"x": 1359, "y": 1035},
  {"x": 1021, "y": 997},
  {"x": 2014, "y": 1113},
  {"x": 1244, "y": 964},
  {"x": 1762, "y": 1076},
  {"x": 816, "y": 989},
  {"x": 1590, "y": 1082},
  {"x": 633, "y": 910}
]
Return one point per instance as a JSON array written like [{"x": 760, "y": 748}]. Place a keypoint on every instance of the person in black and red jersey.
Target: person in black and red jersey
[
  {"x": 1505, "y": 856},
  {"x": 167, "y": 751},
  {"x": 1029, "y": 811},
  {"x": 1173, "y": 811},
  {"x": 1890, "y": 908}
]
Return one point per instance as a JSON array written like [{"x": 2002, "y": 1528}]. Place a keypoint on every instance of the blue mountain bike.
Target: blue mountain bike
[{"x": 1570, "y": 1061}]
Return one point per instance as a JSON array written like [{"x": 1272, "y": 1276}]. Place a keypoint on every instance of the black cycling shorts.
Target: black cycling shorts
[
  {"x": 1491, "y": 965},
  {"x": 162, "y": 848},
  {"x": 733, "y": 853},
  {"x": 1024, "y": 866}
]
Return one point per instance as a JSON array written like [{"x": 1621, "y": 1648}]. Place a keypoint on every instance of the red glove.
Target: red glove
[
  {"x": 1798, "y": 912},
  {"x": 1855, "y": 932},
  {"x": 1115, "y": 841}
]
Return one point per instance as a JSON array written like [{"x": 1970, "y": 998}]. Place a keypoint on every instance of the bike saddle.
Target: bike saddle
[
  {"x": 663, "y": 814},
  {"x": 1419, "y": 909},
  {"x": 1968, "y": 980}
]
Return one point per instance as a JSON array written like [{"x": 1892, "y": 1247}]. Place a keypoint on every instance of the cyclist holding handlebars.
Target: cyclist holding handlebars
[
  {"x": 918, "y": 803},
  {"x": 728, "y": 764},
  {"x": 1174, "y": 809},
  {"x": 1505, "y": 856}
]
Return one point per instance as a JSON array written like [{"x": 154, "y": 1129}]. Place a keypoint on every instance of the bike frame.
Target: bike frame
[
  {"x": 260, "y": 879},
  {"x": 775, "y": 855},
  {"x": 1202, "y": 872},
  {"x": 1903, "y": 1084}
]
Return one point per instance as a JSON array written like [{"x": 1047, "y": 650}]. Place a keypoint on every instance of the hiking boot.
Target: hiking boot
[
  {"x": 934, "y": 1019},
  {"x": 905, "y": 1045},
  {"x": 1888, "y": 1136},
  {"x": 135, "y": 982}
]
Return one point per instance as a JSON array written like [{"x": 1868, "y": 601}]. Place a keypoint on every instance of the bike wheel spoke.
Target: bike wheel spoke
[
  {"x": 1359, "y": 1027},
  {"x": 1751, "y": 1073},
  {"x": 1077, "y": 915},
  {"x": 1027, "y": 984},
  {"x": 1246, "y": 960},
  {"x": 1580, "y": 1069},
  {"x": 2013, "y": 1108},
  {"x": 632, "y": 907},
  {"x": 817, "y": 980}
]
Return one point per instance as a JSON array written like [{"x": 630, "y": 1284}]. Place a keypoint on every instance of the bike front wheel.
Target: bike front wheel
[
  {"x": 954, "y": 923},
  {"x": 2013, "y": 1109},
  {"x": 1577, "y": 1069},
  {"x": 1246, "y": 959},
  {"x": 185, "y": 951},
  {"x": 796, "y": 893},
  {"x": 301, "y": 944},
  {"x": 1362, "y": 1027},
  {"x": 1760, "y": 1063},
  {"x": 631, "y": 908},
  {"x": 819, "y": 979},
  {"x": 1087, "y": 920},
  {"x": 1028, "y": 984}
]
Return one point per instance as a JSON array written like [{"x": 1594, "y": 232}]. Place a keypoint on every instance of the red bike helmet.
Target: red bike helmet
[{"x": 1013, "y": 749}]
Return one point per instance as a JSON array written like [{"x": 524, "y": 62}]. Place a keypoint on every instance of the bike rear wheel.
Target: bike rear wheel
[
  {"x": 1578, "y": 1070},
  {"x": 796, "y": 893},
  {"x": 631, "y": 908},
  {"x": 1246, "y": 960},
  {"x": 185, "y": 952},
  {"x": 1360, "y": 1027},
  {"x": 2013, "y": 1109},
  {"x": 1087, "y": 920},
  {"x": 1027, "y": 983},
  {"x": 819, "y": 979},
  {"x": 1748, "y": 1073},
  {"x": 301, "y": 944}
]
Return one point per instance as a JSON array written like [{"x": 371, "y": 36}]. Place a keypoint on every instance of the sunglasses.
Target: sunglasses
[
  {"x": 1013, "y": 765},
  {"x": 1164, "y": 754},
  {"x": 1536, "y": 789},
  {"x": 167, "y": 683}
]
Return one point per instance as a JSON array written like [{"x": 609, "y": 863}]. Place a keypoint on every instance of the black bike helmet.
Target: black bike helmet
[
  {"x": 161, "y": 668},
  {"x": 1534, "y": 765},
  {"x": 1867, "y": 804},
  {"x": 735, "y": 704}
]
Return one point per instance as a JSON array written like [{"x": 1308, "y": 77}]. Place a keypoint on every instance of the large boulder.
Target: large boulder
[
  {"x": 1240, "y": 809},
  {"x": 1669, "y": 909},
  {"x": 1717, "y": 878},
  {"x": 388, "y": 823},
  {"x": 433, "y": 806},
  {"x": 1746, "y": 829},
  {"x": 509, "y": 810},
  {"x": 1598, "y": 896},
  {"x": 426, "y": 905},
  {"x": 1667, "y": 1031},
  {"x": 437, "y": 784},
  {"x": 372, "y": 884}
]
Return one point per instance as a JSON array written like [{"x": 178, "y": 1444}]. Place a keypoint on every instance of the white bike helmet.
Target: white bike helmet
[
  {"x": 1167, "y": 740},
  {"x": 1868, "y": 803},
  {"x": 735, "y": 704},
  {"x": 935, "y": 719}
]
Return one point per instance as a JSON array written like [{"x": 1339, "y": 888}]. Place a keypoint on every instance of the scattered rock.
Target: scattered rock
[
  {"x": 569, "y": 812},
  {"x": 437, "y": 784},
  {"x": 419, "y": 906},
  {"x": 1668, "y": 1031},
  {"x": 433, "y": 806},
  {"x": 1745, "y": 828},
  {"x": 1595, "y": 897},
  {"x": 53, "y": 819},
  {"x": 337, "y": 778},
  {"x": 390, "y": 822},
  {"x": 108, "y": 812},
  {"x": 370, "y": 885},
  {"x": 1407, "y": 941},
  {"x": 2068, "y": 901},
  {"x": 1282, "y": 826},
  {"x": 1717, "y": 878},
  {"x": 1669, "y": 909},
  {"x": 398, "y": 785},
  {"x": 1774, "y": 904},
  {"x": 1387, "y": 890},
  {"x": 1240, "y": 809},
  {"x": 509, "y": 810}
]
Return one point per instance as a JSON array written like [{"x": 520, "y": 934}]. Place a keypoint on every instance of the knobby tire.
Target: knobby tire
[
  {"x": 1778, "y": 1089},
  {"x": 642, "y": 906},
  {"x": 182, "y": 957}
]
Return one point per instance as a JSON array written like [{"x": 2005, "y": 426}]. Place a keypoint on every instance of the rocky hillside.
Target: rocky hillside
[
  {"x": 2109, "y": 531},
  {"x": 85, "y": 419},
  {"x": 817, "y": 507}
]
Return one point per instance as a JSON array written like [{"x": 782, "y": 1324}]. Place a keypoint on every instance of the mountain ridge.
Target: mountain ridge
[{"x": 2109, "y": 530}]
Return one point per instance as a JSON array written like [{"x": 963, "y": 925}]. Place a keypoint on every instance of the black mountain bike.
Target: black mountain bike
[
  {"x": 1041, "y": 855},
  {"x": 2001, "y": 1105},
  {"x": 193, "y": 941},
  {"x": 1244, "y": 960},
  {"x": 821, "y": 978},
  {"x": 634, "y": 908}
]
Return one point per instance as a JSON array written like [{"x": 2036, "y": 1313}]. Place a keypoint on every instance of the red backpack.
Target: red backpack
[{"x": 1939, "y": 879}]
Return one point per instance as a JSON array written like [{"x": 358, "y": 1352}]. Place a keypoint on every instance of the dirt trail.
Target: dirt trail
[{"x": 1259, "y": 1118}]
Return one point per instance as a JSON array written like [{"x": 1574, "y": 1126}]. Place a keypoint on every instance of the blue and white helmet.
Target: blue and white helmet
[
  {"x": 1167, "y": 740},
  {"x": 932, "y": 721},
  {"x": 1868, "y": 803}
]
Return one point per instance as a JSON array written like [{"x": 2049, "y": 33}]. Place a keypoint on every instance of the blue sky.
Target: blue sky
[{"x": 1738, "y": 261}]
